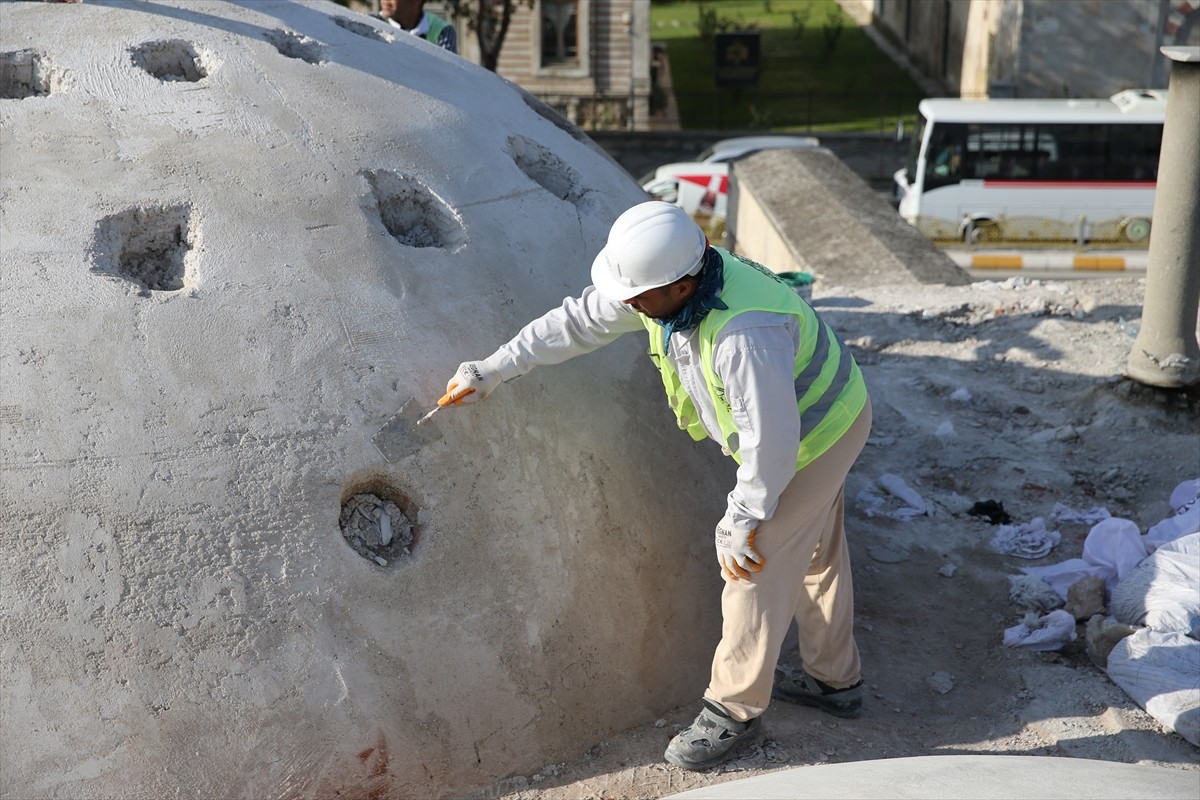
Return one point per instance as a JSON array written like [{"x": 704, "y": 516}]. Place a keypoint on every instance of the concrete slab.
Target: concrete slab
[
  {"x": 956, "y": 776},
  {"x": 808, "y": 210}
]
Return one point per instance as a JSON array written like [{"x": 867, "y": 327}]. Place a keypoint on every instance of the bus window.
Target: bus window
[
  {"x": 943, "y": 164},
  {"x": 914, "y": 148},
  {"x": 1081, "y": 150},
  {"x": 1008, "y": 151},
  {"x": 1133, "y": 152}
]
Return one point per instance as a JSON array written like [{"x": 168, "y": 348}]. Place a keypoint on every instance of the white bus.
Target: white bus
[{"x": 1035, "y": 172}]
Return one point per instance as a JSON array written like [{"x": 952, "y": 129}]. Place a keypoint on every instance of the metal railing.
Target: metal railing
[{"x": 802, "y": 111}]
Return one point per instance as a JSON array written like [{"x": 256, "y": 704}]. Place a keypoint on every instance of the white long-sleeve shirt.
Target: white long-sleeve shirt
[{"x": 754, "y": 356}]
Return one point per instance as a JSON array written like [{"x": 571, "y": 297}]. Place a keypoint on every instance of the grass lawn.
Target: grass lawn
[{"x": 803, "y": 83}]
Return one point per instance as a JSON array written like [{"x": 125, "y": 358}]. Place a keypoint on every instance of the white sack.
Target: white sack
[
  {"x": 1184, "y": 519},
  {"x": 1045, "y": 633},
  {"x": 1113, "y": 549},
  {"x": 1115, "y": 545},
  {"x": 1161, "y": 672},
  {"x": 1163, "y": 592}
]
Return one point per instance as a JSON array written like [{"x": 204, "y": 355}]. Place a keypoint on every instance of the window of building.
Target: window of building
[{"x": 560, "y": 33}]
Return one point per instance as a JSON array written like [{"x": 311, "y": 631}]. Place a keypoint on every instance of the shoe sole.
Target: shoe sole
[
  {"x": 853, "y": 712},
  {"x": 680, "y": 761}
]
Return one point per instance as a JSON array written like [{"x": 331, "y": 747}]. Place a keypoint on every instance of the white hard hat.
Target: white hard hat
[{"x": 650, "y": 245}]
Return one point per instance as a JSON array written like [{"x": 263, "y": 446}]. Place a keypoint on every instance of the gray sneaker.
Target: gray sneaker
[
  {"x": 797, "y": 686},
  {"x": 712, "y": 739}
]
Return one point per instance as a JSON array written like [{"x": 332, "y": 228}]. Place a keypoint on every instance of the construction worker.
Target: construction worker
[
  {"x": 744, "y": 361},
  {"x": 410, "y": 16}
]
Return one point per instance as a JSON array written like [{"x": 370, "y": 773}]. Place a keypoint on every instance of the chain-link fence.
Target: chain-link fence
[{"x": 797, "y": 111}]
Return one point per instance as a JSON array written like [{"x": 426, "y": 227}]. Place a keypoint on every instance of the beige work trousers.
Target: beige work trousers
[{"x": 806, "y": 577}]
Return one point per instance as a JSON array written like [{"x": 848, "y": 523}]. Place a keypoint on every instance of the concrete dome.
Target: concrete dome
[{"x": 235, "y": 238}]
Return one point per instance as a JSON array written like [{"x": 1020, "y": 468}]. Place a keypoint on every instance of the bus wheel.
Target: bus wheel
[
  {"x": 978, "y": 231},
  {"x": 1136, "y": 229}
]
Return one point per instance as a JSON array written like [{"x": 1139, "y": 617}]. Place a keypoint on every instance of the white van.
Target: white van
[
  {"x": 729, "y": 149},
  {"x": 702, "y": 190}
]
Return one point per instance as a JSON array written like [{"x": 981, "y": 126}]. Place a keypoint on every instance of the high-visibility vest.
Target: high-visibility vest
[
  {"x": 830, "y": 391},
  {"x": 436, "y": 24}
]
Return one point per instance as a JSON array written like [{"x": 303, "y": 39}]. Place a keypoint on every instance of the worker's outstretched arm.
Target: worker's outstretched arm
[{"x": 580, "y": 325}]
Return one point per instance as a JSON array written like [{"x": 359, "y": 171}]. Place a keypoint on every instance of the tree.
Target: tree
[{"x": 488, "y": 20}]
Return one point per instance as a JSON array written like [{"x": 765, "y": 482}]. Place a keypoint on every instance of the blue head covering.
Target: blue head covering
[{"x": 706, "y": 298}]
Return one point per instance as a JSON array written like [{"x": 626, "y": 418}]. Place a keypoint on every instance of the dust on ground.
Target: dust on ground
[{"x": 1007, "y": 391}]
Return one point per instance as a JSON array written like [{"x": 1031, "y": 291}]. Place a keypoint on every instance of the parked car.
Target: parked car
[
  {"x": 699, "y": 189},
  {"x": 727, "y": 150}
]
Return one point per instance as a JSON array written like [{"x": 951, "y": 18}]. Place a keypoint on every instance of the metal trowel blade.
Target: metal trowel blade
[{"x": 400, "y": 436}]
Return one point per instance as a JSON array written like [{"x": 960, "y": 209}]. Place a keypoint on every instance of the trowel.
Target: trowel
[
  {"x": 402, "y": 436},
  {"x": 409, "y": 430}
]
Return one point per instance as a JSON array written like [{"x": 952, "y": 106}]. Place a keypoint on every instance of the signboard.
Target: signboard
[{"x": 738, "y": 57}]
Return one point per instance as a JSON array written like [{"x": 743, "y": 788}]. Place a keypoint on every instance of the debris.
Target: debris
[
  {"x": 941, "y": 681},
  {"x": 1041, "y": 633},
  {"x": 887, "y": 555},
  {"x": 948, "y": 569},
  {"x": 376, "y": 529},
  {"x": 954, "y": 502},
  {"x": 961, "y": 395},
  {"x": 1027, "y": 540},
  {"x": 992, "y": 510},
  {"x": 1064, "y": 513},
  {"x": 1101, "y": 635},
  {"x": 902, "y": 502},
  {"x": 1033, "y": 593},
  {"x": 1085, "y": 598}
]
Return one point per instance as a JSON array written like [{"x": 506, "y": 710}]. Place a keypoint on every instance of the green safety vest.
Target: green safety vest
[
  {"x": 436, "y": 24},
  {"x": 830, "y": 391}
]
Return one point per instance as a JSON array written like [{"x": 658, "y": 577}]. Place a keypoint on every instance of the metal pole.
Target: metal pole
[{"x": 1166, "y": 352}]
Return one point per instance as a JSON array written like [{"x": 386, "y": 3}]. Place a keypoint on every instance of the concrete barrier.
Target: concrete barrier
[{"x": 806, "y": 211}]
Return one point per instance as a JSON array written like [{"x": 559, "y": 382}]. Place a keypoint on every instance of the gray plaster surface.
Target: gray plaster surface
[
  {"x": 235, "y": 237},
  {"x": 952, "y": 777},
  {"x": 838, "y": 227}
]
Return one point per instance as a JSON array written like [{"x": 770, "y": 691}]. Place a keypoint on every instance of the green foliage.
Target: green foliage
[
  {"x": 711, "y": 23},
  {"x": 759, "y": 120},
  {"x": 852, "y": 87},
  {"x": 800, "y": 21},
  {"x": 831, "y": 31}
]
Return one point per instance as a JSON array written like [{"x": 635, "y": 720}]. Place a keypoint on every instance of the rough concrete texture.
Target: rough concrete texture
[
  {"x": 235, "y": 238},
  {"x": 951, "y": 777},
  {"x": 835, "y": 225}
]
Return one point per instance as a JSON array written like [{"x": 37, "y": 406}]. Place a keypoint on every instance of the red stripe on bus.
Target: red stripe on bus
[{"x": 1009, "y": 184}]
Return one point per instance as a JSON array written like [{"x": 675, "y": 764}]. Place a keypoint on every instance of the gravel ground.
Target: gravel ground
[{"x": 1005, "y": 391}]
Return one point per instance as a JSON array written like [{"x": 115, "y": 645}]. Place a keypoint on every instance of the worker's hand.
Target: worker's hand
[
  {"x": 474, "y": 381},
  {"x": 735, "y": 551}
]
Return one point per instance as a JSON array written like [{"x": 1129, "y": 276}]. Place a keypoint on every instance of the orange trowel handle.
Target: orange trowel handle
[{"x": 454, "y": 397}]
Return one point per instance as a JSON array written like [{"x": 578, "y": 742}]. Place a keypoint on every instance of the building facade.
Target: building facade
[
  {"x": 587, "y": 59},
  {"x": 590, "y": 60},
  {"x": 1035, "y": 48}
]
